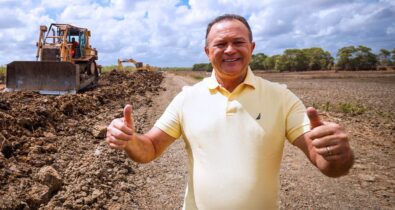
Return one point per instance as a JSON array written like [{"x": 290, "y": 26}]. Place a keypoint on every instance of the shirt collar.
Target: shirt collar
[{"x": 212, "y": 82}]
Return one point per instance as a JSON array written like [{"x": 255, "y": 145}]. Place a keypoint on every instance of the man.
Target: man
[
  {"x": 74, "y": 48},
  {"x": 235, "y": 125}
]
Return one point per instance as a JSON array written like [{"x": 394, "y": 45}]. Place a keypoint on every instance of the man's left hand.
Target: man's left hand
[
  {"x": 328, "y": 139},
  {"x": 327, "y": 146}
]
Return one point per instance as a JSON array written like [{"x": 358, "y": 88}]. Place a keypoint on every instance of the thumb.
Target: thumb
[
  {"x": 314, "y": 117},
  {"x": 127, "y": 116}
]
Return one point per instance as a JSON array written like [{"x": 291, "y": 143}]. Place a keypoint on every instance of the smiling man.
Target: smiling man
[
  {"x": 229, "y": 47},
  {"x": 235, "y": 125}
]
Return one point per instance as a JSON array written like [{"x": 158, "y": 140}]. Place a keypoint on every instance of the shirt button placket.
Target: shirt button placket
[{"x": 231, "y": 106}]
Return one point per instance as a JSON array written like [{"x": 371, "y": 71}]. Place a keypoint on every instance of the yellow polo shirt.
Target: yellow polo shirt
[{"x": 234, "y": 140}]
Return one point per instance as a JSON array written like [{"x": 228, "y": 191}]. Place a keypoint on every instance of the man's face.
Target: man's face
[{"x": 229, "y": 48}]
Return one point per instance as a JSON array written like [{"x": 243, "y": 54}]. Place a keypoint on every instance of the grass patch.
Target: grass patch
[
  {"x": 105, "y": 69},
  {"x": 353, "y": 109},
  {"x": 346, "y": 108},
  {"x": 2, "y": 74},
  {"x": 325, "y": 107},
  {"x": 175, "y": 69},
  {"x": 2, "y": 70},
  {"x": 197, "y": 77}
]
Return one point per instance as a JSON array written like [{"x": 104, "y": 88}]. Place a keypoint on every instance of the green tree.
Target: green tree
[
  {"x": 365, "y": 59},
  {"x": 202, "y": 67},
  {"x": 345, "y": 58},
  {"x": 257, "y": 61},
  {"x": 356, "y": 58},
  {"x": 295, "y": 60},
  {"x": 270, "y": 62},
  {"x": 329, "y": 60},
  {"x": 384, "y": 57},
  {"x": 393, "y": 55},
  {"x": 318, "y": 59},
  {"x": 282, "y": 63}
]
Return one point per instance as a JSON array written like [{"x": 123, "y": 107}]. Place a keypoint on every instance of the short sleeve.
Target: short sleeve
[
  {"x": 170, "y": 121},
  {"x": 297, "y": 122}
]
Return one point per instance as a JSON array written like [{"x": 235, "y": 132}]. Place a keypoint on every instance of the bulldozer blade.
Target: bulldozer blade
[{"x": 48, "y": 77}]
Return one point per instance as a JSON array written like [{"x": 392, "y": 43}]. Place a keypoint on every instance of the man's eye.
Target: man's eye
[
  {"x": 238, "y": 43},
  {"x": 219, "y": 45}
]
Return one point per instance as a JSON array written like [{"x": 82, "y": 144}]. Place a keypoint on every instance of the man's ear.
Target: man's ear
[
  {"x": 252, "y": 46},
  {"x": 207, "y": 51}
]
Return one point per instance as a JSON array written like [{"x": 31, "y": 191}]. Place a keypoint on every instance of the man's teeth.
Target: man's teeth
[{"x": 231, "y": 60}]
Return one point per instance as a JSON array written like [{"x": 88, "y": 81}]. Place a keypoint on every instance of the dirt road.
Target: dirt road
[{"x": 53, "y": 155}]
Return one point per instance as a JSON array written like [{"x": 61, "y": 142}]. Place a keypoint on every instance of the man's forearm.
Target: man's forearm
[{"x": 141, "y": 149}]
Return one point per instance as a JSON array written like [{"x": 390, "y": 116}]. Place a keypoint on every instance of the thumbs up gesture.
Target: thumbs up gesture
[
  {"x": 328, "y": 139},
  {"x": 121, "y": 130},
  {"x": 127, "y": 116},
  {"x": 327, "y": 146}
]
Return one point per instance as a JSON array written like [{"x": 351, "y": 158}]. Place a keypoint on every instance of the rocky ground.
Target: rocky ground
[{"x": 53, "y": 154}]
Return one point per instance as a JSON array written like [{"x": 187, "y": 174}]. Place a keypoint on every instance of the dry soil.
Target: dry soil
[{"x": 53, "y": 154}]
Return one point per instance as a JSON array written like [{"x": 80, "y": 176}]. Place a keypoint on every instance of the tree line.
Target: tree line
[{"x": 351, "y": 58}]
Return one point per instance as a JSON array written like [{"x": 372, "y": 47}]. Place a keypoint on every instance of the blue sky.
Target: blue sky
[{"x": 171, "y": 32}]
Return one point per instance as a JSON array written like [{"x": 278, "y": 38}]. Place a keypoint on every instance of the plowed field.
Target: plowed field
[{"x": 53, "y": 154}]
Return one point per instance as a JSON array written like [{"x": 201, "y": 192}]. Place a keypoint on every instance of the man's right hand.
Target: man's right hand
[
  {"x": 140, "y": 148},
  {"x": 121, "y": 130}
]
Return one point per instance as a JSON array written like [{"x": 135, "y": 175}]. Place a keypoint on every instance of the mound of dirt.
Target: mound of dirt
[{"x": 41, "y": 135}]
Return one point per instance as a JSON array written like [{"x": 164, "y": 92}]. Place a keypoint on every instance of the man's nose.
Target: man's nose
[{"x": 230, "y": 49}]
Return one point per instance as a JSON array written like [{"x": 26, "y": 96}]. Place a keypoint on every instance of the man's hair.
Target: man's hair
[{"x": 228, "y": 17}]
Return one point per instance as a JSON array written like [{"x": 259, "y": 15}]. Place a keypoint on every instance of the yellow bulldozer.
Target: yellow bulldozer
[
  {"x": 65, "y": 63},
  {"x": 139, "y": 65}
]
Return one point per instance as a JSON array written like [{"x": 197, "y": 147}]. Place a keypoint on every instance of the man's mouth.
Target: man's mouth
[{"x": 231, "y": 60}]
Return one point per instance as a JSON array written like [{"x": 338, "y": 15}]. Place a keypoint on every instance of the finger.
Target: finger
[
  {"x": 333, "y": 157},
  {"x": 329, "y": 150},
  {"x": 324, "y": 142},
  {"x": 118, "y": 134},
  {"x": 121, "y": 125},
  {"x": 115, "y": 144},
  {"x": 115, "y": 141},
  {"x": 314, "y": 117},
  {"x": 327, "y": 136},
  {"x": 321, "y": 131},
  {"x": 127, "y": 116}
]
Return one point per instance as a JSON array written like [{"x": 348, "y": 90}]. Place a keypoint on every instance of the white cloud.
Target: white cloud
[
  {"x": 167, "y": 33},
  {"x": 390, "y": 30}
]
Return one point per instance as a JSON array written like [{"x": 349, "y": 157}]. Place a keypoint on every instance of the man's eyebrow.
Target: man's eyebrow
[
  {"x": 240, "y": 38},
  {"x": 222, "y": 39}
]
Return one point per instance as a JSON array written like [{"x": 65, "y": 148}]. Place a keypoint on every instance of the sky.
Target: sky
[{"x": 171, "y": 33}]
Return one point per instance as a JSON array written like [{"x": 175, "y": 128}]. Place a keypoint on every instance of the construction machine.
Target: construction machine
[
  {"x": 139, "y": 65},
  {"x": 65, "y": 63}
]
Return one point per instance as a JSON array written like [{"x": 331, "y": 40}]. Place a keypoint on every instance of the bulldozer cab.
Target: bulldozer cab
[
  {"x": 66, "y": 42},
  {"x": 76, "y": 40}
]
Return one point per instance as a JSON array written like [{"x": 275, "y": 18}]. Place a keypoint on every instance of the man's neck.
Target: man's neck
[{"x": 230, "y": 83}]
